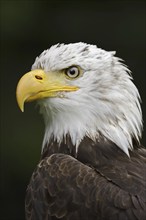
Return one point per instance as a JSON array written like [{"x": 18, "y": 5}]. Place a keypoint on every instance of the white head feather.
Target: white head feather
[{"x": 106, "y": 104}]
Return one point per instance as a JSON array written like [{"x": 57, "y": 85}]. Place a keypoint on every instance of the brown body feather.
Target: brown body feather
[{"x": 101, "y": 183}]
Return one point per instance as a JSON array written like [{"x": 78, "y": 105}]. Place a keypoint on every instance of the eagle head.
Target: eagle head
[{"x": 83, "y": 91}]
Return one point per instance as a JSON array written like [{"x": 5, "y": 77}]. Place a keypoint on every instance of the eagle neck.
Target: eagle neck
[
  {"x": 90, "y": 152},
  {"x": 65, "y": 146}
]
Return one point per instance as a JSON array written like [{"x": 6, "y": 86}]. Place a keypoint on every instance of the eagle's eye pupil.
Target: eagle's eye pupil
[{"x": 72, "y": 72}]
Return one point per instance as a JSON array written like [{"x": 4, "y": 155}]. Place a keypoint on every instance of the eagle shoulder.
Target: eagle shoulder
[{"x": 64, "y": 188}]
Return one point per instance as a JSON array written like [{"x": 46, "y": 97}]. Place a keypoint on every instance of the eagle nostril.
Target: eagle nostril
[{"x": 38, "y": 77}]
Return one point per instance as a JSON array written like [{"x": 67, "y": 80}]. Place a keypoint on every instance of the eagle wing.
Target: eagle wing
[{"x": 64, "y": 188}]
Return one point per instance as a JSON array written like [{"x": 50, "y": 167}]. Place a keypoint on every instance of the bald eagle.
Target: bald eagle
[{"x": 92, "y": 165}]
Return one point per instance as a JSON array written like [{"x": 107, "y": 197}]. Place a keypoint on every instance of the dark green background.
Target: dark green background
[{"x": 29, "y": 27}]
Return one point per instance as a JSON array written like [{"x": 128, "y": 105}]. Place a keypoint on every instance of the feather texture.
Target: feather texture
[{"x": 95, "y": 186}]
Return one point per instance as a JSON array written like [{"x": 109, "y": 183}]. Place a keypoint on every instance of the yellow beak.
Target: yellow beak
[{"x": 36, "y": 84}]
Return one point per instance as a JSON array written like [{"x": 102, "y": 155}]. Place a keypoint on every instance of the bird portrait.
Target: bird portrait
[{"x": 92, "y": 164}]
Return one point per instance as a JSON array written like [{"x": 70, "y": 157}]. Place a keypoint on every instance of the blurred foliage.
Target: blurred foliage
[{"x": 29, "y": 27}]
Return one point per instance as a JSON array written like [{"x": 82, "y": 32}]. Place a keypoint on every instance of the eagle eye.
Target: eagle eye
[{"x": 72, "y": 72}]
